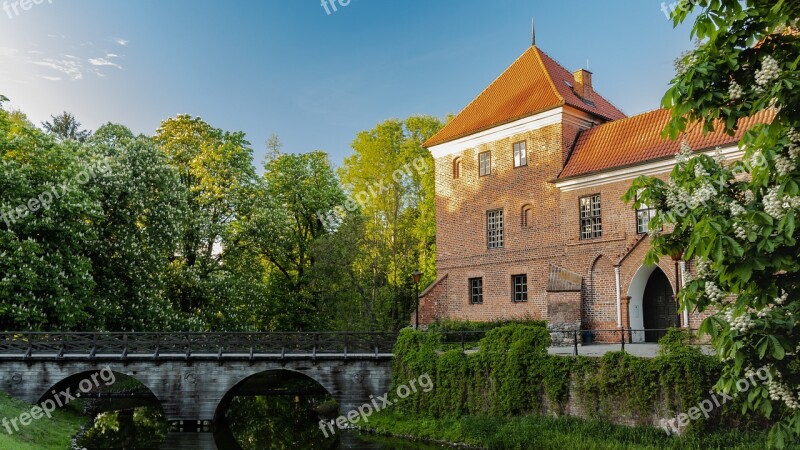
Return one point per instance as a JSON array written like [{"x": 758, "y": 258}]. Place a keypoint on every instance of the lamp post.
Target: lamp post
[{"x": 417, "y": 276}]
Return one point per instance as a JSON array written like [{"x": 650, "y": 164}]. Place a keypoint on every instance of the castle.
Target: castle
[{"x": 529, "y": 218}]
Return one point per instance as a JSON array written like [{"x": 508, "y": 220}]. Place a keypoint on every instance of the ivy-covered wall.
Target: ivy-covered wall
[{"x": 511, "y": 374}]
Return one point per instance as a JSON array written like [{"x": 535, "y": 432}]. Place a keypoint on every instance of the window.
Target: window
[
  {"x": 527, "y": 220},
  {"x": 643, "y": 217},
  {"x": 494, "y": 229},
  {"x": 457, "y": 168},
  {"x": 520, "y": 154},
  {"x": 591, "y": 220},
  {"x": 485, "y": 163},
  {"x": 520, "y": 288},
  {"x": 476, "y": 291}
]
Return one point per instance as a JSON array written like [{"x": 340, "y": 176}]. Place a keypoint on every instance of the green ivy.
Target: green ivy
[{"x": 512, "y": 375}]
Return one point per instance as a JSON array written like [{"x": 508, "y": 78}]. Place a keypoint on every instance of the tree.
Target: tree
[
  {"x": 390, "y": 182},
  {"x": 143, "y": 208},
  {"x": 738, "y": 220},
  {"x": 282, "y": 226},
  {"x": 65, "y": 127},
  {"x": 47, "y": 216},
  {"x": 216, "y": 169}
]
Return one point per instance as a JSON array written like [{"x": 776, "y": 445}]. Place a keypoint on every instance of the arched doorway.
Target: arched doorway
[{"x": 652, "y": 304}]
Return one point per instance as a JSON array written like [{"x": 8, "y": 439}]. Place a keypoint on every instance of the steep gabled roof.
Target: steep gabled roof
[
  {"x": 637, "y": 139},
  {"x": 534, "y": 83}
]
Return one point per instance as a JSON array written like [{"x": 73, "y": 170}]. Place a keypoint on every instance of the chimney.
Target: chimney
[{"x": 583, "y": 84}]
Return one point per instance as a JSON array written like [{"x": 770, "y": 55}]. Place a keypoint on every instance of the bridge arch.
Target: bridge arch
[
  {"x": 103, "y": 380},
  {"x": 272, "y": 381}
]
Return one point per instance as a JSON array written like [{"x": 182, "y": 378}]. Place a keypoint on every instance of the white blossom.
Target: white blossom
[{"x": 770, "y": 70}]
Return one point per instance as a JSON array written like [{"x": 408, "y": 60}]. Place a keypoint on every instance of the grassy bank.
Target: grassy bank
[
  {"x": 544, "y": 433},
  {"x": 42, "y": 434}
]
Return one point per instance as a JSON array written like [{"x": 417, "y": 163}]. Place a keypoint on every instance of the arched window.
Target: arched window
[
  {"x": 527, "y": 216},
  {"x": 456, "y": 168}
]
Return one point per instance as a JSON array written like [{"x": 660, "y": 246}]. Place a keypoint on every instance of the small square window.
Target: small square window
[
  {"x": 520, "y": 288},
  {"x": 520, "y": 154},
  {"x": 476, "y": 291},
  {"x": 485, "y": 163}
]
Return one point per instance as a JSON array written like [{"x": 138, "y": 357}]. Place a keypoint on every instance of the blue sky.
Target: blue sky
[{"x": 315, "y": 79}]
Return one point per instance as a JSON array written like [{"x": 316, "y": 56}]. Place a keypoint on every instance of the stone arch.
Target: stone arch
[
  {"x": 72, "y": 383},
  {"x": 598, "y": 300},
  {"x": 224, "y": 402},
  {"x": 636, "y": 293}
]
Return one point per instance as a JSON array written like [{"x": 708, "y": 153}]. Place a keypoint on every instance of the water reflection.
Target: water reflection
[{"x": 251, "y": 423}]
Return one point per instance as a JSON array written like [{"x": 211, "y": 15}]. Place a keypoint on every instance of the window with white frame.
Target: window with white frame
[
  {"x": 485, "y": 164},
  {"x": 591, "y": 217},
  {"x": 520, "y": 154}
]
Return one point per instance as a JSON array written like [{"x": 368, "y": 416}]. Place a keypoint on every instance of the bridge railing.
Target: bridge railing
[{"x": 28, "y": 345}]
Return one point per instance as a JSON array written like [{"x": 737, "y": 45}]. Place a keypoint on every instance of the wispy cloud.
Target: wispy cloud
[
  {"x": 103, "y": 62},
  {"x": 49, "y": 78},
  {"x": 69, "y": 66},
  {"x": 122, "y": 42}
]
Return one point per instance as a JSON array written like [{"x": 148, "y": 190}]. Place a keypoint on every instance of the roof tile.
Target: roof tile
[
  {"x": 638, "y": 139},
  {"x": 533, "y": 83}
]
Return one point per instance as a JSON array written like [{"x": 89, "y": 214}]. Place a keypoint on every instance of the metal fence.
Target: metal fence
[{"x": 29, "y": 345}]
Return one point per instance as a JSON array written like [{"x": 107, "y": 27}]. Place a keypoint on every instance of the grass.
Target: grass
[
  {"x": 42, "y": 434},
  {"x": 554, "y": 433}
]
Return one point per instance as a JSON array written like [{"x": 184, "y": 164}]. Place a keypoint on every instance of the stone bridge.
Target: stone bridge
[{"x": 194, "y": 374}]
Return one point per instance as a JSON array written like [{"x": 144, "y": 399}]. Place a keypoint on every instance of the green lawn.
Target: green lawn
[
  {"x": 543, "y": 433},
  {"x": 42, "y": 434}
]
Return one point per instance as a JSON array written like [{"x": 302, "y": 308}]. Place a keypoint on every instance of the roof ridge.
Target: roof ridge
[
  {"x": 549, "y": 75},
  {"x": 497, "y": 78}
]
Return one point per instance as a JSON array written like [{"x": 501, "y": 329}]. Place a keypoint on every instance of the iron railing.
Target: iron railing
[{"x": 196, "y": 346}]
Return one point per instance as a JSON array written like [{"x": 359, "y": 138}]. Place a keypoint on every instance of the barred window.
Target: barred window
[
  {"x": 520, "y": 288},
  {"x": 520, "y": 154},
  {"x": 494, "y": 229},
  {"x": 485, "y": 163},
  {"x": 644, "y": 215},
  {"x": 476, "y": 291},
  {"x": 591, "y": 217}
]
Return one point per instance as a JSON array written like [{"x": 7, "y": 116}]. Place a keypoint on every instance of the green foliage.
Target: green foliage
[
  {"x": 390, "y": 185},
  {"x": 512, "y": 375},
  {"x": 738, "y": 220},
  {"x": 64, "y": 127},
  {"x": 45, "y": 266},
  {"x": 451, "y": 325},
  {"x": 143, "y": 204},
  {"x": 539, "y": 432}
]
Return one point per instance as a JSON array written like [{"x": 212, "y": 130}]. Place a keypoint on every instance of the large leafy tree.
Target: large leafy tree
[
  {"x": 45, "y": 268},
  {"x": 216, "y": 169},
  {"x": 143, "y": 206},
  {"x": 390, "y": 182},
  {"x": 283, "y": 226},
  {"x": 738, "y": 219}
]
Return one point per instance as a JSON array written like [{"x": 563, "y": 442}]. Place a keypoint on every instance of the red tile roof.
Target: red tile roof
[
  {"x": 638, "y": 139},
  {"x": 534, "y": 83}
]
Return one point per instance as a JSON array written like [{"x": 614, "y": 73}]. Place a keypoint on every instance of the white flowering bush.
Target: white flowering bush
[
  {"x": 45, "y": 269},
  {"x": 737, "y": 221}
]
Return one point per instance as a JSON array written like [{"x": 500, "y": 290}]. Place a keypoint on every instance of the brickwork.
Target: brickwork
[{"x": 551, "y": 237}]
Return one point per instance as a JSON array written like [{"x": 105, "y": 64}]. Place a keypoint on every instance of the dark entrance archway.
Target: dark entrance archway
[{"x": 660, "y": 310}]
